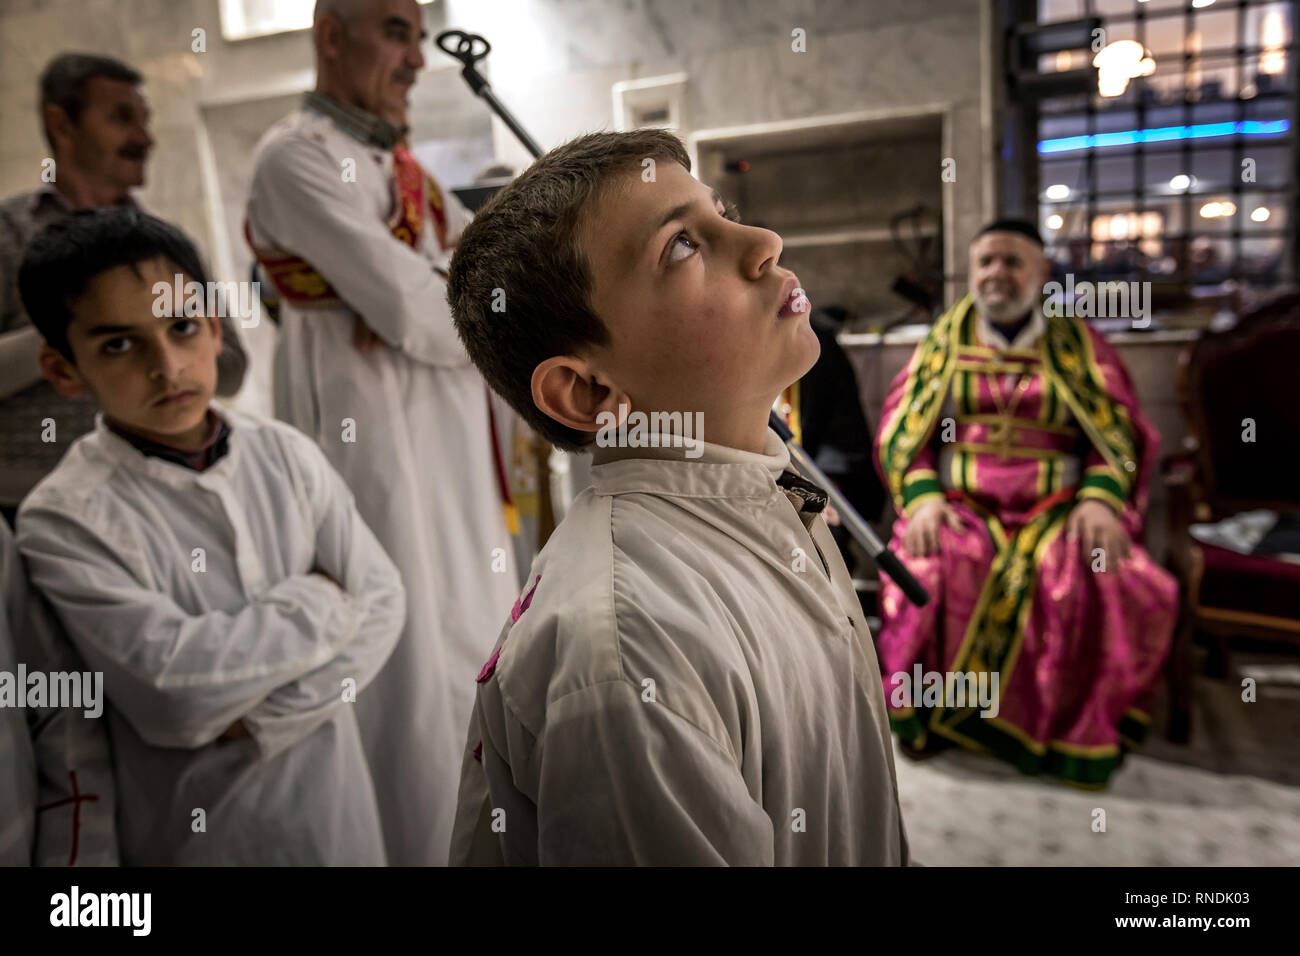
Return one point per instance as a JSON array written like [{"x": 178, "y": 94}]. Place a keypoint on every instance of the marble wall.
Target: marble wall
[{"x": 554, "y": 62}]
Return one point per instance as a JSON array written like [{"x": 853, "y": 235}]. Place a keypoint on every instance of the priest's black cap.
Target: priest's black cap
[{"x": 1022, "y": 226}]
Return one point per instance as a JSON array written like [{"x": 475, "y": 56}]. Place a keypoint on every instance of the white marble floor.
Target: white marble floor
[{"x": 962, "y": 808}]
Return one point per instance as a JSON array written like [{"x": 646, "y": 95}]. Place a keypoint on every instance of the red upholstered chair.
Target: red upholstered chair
[{"x": 1251, "y": 371}]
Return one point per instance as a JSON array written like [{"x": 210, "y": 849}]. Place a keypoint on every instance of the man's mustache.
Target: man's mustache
[{"x": 133, "y": 152}]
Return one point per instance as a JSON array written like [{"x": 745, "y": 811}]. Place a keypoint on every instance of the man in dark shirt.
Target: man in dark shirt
[
  {"x": 832, "y": 426},
  {"x": 96, "y": 122}
]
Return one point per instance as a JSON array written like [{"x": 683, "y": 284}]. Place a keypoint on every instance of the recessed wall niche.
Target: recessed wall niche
[{"x": 844, "y": 194}]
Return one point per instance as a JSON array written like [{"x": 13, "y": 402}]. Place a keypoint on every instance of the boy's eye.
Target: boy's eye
[
  {"x": 690, "y": 244},
  {"x": 185, "y": 327},
  {"x": 115, "y": 346}
]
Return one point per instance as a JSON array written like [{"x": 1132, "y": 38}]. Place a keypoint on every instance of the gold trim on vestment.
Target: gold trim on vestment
[
  {"x": 1027, "y": 423},
  {"x": 1011, "y": 451}
]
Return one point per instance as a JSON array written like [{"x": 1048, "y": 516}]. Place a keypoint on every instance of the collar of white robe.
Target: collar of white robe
[{"x": 355, "y": 122}]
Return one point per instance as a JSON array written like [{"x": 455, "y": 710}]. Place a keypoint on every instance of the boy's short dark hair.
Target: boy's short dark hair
[
  {"x": 64, "y": 79},
  {"x": 60, "y": 260},
  {"x": 525, "y": 243}
]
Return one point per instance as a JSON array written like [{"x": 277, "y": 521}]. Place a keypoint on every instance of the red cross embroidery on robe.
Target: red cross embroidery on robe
[{"x": 76, "y": 800}]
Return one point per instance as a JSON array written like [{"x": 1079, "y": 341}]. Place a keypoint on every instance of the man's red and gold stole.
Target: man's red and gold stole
[{"x": 297, "y": 281}]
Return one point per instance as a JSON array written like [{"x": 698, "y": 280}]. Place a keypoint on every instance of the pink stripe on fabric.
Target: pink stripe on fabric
[
  {"x": 519, "y": 608},
  {"x": 521, "y": 605}
]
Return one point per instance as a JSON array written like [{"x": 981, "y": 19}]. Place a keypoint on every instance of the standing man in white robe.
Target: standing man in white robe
[{"x": 356, "y": 239}]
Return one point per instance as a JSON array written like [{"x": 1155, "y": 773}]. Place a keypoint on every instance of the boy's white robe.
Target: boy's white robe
[
  {"x": 419, "y": 460},
  {"x": 688, "y": 684},
  {"x": 196, "y": 596},
  {"x": 57, "y": 802}
]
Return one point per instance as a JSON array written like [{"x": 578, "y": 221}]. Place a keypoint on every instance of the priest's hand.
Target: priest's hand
[
  {"x": 364, "y": 338},
  {"x": 921, "y": 539},
  {"x": 1094, "y": 524}
]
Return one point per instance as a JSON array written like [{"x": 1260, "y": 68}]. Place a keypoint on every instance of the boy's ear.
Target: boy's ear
[
  {"x": 60, "y": 372},
  {"x": 565, "y": 388}
]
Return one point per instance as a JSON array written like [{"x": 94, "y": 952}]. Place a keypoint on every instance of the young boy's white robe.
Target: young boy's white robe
[
  {"x": 687, "y": 684},
  {"x": 195, "y": 594},
  {"x": 407, "y": 428},
  {"x": 57, "y": 799}
]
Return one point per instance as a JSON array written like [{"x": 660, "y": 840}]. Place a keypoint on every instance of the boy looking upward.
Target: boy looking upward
[{"x": 687, "y": 677}]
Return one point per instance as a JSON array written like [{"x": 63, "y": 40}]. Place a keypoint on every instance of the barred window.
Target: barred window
[{"x": 1178, "y": 162}]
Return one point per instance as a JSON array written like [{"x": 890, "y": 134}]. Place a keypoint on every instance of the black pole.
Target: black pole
[{"x": 469, "y": 49}]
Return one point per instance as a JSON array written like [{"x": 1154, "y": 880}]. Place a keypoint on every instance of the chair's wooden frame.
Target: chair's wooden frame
[{"x": 1193, "y": 495}]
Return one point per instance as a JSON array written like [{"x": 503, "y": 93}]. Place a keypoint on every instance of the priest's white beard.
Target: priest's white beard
[{"x": 1003, "y": 309}]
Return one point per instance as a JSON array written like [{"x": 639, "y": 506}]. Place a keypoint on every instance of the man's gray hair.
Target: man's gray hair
[{"x": 345, "y": 10}]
